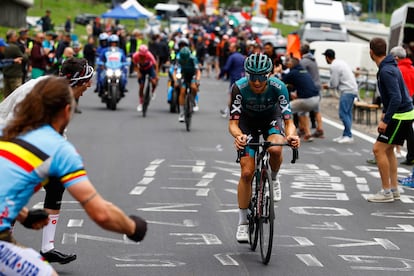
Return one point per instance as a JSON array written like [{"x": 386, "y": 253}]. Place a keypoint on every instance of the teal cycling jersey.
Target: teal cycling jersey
[
  {"x": 27, "y": 162},
  {"x": 188, "y": 68},
  {"x": 275, "y": 99}
]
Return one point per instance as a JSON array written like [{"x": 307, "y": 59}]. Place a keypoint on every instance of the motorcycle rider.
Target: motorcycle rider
[
  {"x": 114, "y": 56},
  {"x": 103, "y": 44},
  {"x": 146, "y": 63}
]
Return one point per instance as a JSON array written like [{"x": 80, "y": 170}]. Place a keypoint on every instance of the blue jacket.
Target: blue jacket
[
  {"x": 394, "y": 94},
  {"x": 302, "y": 81},
  {"x": 234, "y": 66}
]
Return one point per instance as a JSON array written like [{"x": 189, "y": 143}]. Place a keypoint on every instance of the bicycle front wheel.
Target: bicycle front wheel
[
  {"x": 252, "y": 217},
  {"x": 147, "y": 98},
  {"x": 267, "y": 216},
  {"x": 188, "y": 110}
]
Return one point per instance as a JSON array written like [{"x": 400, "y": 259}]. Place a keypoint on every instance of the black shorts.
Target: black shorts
[
  {"x": 397, "y": 132},
  {"x": 254, "y": 127}
]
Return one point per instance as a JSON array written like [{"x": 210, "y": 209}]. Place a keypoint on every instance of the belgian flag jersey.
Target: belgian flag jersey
[{"x": 27, "y": 162}]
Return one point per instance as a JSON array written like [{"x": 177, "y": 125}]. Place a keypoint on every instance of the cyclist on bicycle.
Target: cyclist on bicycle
[
  {"x": 187, "y": 65},
  {"x": 146, "y": 65},
  {"x": 258, "y": 104}
]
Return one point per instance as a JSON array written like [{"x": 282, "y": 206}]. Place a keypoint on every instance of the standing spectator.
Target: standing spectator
[
  {"x": 407, "y": 70},
  {"x": 135, "y": 41},
  {"x": 13, "y": 74},
  {"x": 223, "y": 51},
  {"x": 23, "y": 42},
  {"x": 77, "y": 49},
  {"x": 164, "y": 52},
  {"x": 97, "y": 28},
  {"x": 306, "y": 98},
  {"x": 89, "y": 51},
  {"x": 39, "y": 57},
  {"x": 68, "y": 24},
  {"x": 344, "y": 81},
  {"x": 234, "y": 67},
  {"x": 47, "y": 22},
  {"x": 62, "y": 44},
  {"x": 4, "y": 62},
  {"x": 396, "y": 120},
  {"x": 308, "y": 62}
]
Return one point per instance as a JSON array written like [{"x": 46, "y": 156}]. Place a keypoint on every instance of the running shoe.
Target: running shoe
[{"x": 381, "y": 196}]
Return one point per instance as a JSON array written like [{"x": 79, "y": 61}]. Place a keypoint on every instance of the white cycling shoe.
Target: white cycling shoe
[
  {"x": 242, "y": 234},
  {"x": 277, "y": 190}
]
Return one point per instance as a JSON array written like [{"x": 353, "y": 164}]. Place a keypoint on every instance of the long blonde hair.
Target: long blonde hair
[{"x": 47, "y": 98}]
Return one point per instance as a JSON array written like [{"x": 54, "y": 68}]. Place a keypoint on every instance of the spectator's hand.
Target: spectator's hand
[
  {"x": 382, "y": 127},
  {"x": 325, "y": 86},
  {"x": 293, "y": 95},
  {"x": 18, "y": 60}
]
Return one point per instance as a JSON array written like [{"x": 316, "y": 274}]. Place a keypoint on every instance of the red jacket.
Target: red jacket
[{"x": 407, "y": 70}]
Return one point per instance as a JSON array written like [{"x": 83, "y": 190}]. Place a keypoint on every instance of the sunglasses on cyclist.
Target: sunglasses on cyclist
[{"x": 260, "y": 78}]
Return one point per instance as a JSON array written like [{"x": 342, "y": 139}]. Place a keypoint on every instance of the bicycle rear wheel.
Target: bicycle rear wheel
[
  {"x": 147, "y": 97},
  {"x": 266, "y": 220},
  {"x": 188, "y": 109},
  {"x": 252, "y": 218}
]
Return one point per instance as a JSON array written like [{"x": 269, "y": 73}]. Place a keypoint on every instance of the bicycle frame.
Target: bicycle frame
[
  {"x": 262, "y": 205},
  {"x": 147, "y": 95}
]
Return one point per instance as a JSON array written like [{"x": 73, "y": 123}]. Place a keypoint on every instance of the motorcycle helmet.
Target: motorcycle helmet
[
  {"x": 113, "y": 39},
  {"x": 103, "y": 39},
  {"x": 258, "y": 64}
]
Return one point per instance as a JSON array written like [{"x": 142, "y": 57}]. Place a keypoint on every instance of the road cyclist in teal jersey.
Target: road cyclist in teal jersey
[
  {"x": 259, "y": 104},
  {"x": 188, "y": 70}
]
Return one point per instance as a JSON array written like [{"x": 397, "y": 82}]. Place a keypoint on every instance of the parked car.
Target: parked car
[
  {"x": 179, "y": 24},
  {"x": 85, "y": 18}
]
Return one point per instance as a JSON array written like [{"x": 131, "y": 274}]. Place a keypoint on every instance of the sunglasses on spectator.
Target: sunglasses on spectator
[{"x": 260, "y": 78}]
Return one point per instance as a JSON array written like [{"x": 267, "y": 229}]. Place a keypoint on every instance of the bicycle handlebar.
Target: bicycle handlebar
[{"x": 266, "y": 144}]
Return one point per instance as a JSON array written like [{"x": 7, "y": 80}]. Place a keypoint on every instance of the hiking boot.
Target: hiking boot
[
  {"x": 54, "y": 256},
  {"x": 318, "y": 134},
  {"x": 242, "y": 234},
  {"x": 381, "y": 196}
]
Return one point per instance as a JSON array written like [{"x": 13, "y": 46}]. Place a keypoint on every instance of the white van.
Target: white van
[
  {"x": 354, "y": 53},
  {"x": 402, "y": 26},
  {"x": 323, "y": 20}
]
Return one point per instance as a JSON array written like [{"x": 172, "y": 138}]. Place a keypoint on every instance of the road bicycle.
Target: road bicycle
[
  {"x": 188, "y": 101},
  {"x": 147, "y": 95},
  {"x": 261, "y": 212}
]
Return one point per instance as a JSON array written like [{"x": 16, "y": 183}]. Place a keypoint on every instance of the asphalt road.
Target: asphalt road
[{"x": 184, "y": 184}]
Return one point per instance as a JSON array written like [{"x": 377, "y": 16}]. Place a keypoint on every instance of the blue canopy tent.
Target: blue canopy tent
[{"x": 119, "y": 13}]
